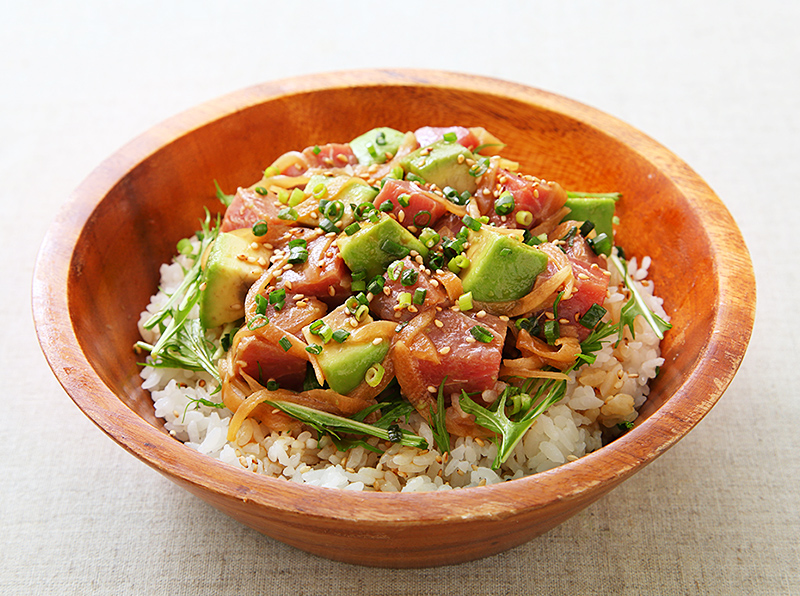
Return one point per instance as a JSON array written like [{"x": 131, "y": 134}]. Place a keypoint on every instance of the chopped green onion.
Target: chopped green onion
[
  {"x": 586, "y": 228},
  {"x": 409, "y": 277},
  {"x": 411, "y": 177},
  {"x": 464, "y": 197},
  {"x": 504, "y": 252},
  {"x": 419, "y": 296},
  {"x": 261, "y": 190},
  {"x": 362, "y": 312},
  {"x": 387, "y": 206},
  {"x": 351, "y": 304},
  {"x": 257, "y": 322},
  {"x": 298, "y": 242},
  {"x": 328, "y": 226},
  {"x": 425, "y": 218},
  {"x": 524, "y": 218},
  {"x": 184, "y": 246},
  {"x": 261, "y": 305},
  {"x": 504, "y": 204},
  {"x": 428, "y": 237},
  {"x": 260, "y": 228},
  {"x": 287, "y": 213},
  {"x": 362, "y": 298},
  {"x": 352, "y": 228},
  {"x": 323, "y": 330},
  {"x": 285, "y": 343},
  {"x": 482, "y": 334},
  {"x": 465, "y": 302},
  {"x": 404, "y": 299},
  {"x": 297, "y": 197},
  {"x": 404, "y": 200},
  {"x": 472, "y": 223},
  {"x": 450, "y": 137},
  {"x": 358, "y": 285},
  {"x": 374, "y": 376},
  {"x": 394, "y": 270},
  {"x": 272, "y": 385},
  {"x": 393, "y": 248},
  {"x": 372, "y": 151},
  {"x": 340, "y": 335},
  {"x": 278, "y": 297},
  {"x": 319, "y": 191},
  {"x": 283, "y": 196},
  {"x": 458, "y": 263},
  {"x": 334, "y": 210},
  {"x": 315, "y": 349},
  {"x": 359, "y": 275},
  {"x": 297, "y": 255},
  {"x": 480, "y": 167},
  {"x": 364, "y": 211},
  {"x": 380, "y": 138},
  {"x": 593, "y": 242},
  {"x": 316, "y": 150},
  {"x": 271, "y": 171},
  {"x": 397, "y": 172},
  {"x": 377, "y": 284}
]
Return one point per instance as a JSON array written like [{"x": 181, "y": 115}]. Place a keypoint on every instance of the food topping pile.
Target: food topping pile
[{"x": 406, "y": 311}]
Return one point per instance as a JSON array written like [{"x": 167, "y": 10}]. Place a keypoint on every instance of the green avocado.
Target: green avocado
[
  {"x": 231, "y": 267},
  {"x": 372, "y": 147},
  {"x": 344, "y": 365},
  {"x": 501, "y": 267},
  {"x": 599, "y": 211},
  {"x": 439, "y": 163},
  {"x": 374, "y": 246}
]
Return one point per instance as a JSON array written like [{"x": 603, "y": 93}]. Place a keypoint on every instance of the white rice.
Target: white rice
[{"x": 565, "y": 432}]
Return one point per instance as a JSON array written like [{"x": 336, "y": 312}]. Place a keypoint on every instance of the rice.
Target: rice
[{"x": 598, "y": 396}]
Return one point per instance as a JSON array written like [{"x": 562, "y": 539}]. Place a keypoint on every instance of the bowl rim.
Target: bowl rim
[{"x": 698, "y": 392}]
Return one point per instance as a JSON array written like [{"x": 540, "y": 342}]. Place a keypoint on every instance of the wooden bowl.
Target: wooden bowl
[{"x": 99, "y": 265}]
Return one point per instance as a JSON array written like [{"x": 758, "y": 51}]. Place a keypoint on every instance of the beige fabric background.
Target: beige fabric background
[{"x": 717, "y": 82}]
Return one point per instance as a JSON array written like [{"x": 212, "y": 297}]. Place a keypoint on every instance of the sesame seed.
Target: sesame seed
[
  {"x": 470, "y": 340},
  {"x": 549, "y": 315},
  {"x": 503, "y": 318},
  {"x": 241, "y": 257},
  {"x": 288, "y": 285},
  {"x": 536, "y": 192},
  {"x": 480, "y": 314},
  {"x": 331, "y": 291},
  {"x": 479, "y": 441},
  {"x": 298, "y": 296},
  {"x": 434, "y": 282},
  {"x": 486, "y": 192},
  {"x": 431, "y": 389},
  {"x": 401, "y": 216},
  {"x": 582, "y": 276},
  {"x": 254, "y": 245},
  {"x": 461, "y": 158},
  {"x": 563, "y": 321},
  {"x": 342, "y": 158},
  {"x": 202, "y": 286},
  {"x": 444, "y": 351},
  {"x": 438, "y": 323}
]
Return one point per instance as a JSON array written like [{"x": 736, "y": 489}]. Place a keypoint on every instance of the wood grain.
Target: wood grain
[{"x": 99, "y": 265}]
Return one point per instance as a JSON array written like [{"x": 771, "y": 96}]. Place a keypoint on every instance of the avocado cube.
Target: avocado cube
[
  {"x": 374, "y": 246},
  {"x": 599, "y": 211},
  {"x": 502, "y": 268},
  {"x": 439, "y": 163},
  {"x": 344, "y": 365},
  {"x": 231, "y": 267},
  {"x": 372, "y": 147}
]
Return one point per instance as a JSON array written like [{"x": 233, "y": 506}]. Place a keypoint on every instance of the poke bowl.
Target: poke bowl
[{"x": 100, "y": 264}]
